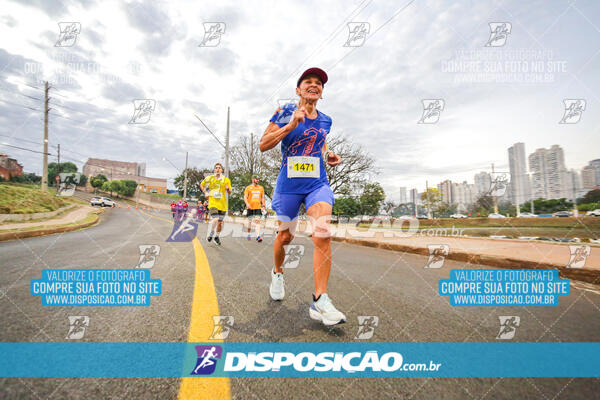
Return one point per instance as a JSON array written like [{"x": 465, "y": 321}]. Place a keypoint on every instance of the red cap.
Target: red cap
[{"x": 313, "y": 71}]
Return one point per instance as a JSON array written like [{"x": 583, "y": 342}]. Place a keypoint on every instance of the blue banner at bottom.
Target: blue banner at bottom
[{"x": 378, "y": 359}]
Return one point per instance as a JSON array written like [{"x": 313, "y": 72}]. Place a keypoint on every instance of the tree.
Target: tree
[
  {"x": 431, "y": 199},
  {"x": 548, "y": 206},
  {"x": 349, "y": 175},
  {"x": 371, "y": 198},
  {"x": 127, "y": 187},
  {"x": 445, "y": 209},
  {"x": 82, "y": 180},
  {"x": 194, "y": 177},
  {"x": 389, "y": 206},
  {"x": 347, "y": 206},
  {"x": 98, "y": 181},
  {"x": 593, "y": 196},
  {"x": 53, "y": 170},
  {"x": 482, "y": 206},
  {"x": 26, "y": 178},
  {"x": 111, "y": 186},
  {"x": 355, "y": 166}
]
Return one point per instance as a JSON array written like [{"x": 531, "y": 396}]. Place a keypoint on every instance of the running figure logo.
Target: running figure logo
[
  {"x": 437, "y": 255},
  {"x": 142, "y": 111},
  {"x": 499, "y": 185},
  {"x": 357, "y": 34},
  {"x": 223, "y": 324},
  {"x": 499, "y": 32},
  {"x": 573, "y": 110},
  {"x": 293, "y": 254},
  {"x": 366, "y": 326},
  {"x": 579, "y": 255},
  {"x": 77, "y": 326},
  {"x": 432, "y": 109},
  {"x": 67, "y": 183},
  {"x": 212, "y": 34},
  {"x": 508, "y": 327},
  {"x": 184, "y": 231},
  {"x": 207, "y": 359},
  {"x": 148, "y": 254},
  {"x": 68, "y": 34}
]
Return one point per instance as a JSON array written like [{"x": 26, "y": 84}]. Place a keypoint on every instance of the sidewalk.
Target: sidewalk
[
  {"x": 493, "y": 252},
  {"x": 80, "y": 217},
  {"x": 67, "y": 218}
]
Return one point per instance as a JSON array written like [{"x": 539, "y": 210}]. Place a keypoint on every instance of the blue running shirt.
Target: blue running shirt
[{"x": 307, "y": 139}]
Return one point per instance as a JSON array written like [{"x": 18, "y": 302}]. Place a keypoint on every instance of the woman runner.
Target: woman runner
[{"x": 302, "y": 129}]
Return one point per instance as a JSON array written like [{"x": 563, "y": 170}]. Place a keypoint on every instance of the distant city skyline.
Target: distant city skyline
[{"x": 541, "y": 174}]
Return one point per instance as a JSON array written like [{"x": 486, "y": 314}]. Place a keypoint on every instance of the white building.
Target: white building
[
  {"x": 549, "y": 173},
  {"x": 483, "y": 183},
  {"x": 575, "y": 185},
  {"x": 464, "y": 195},
  {"x": 415, "y": 197},
  {"x": 519, "y": 179},
  {"x": 447, "y": 190},
  {"x": 588, "y": 177},
  {"x": 403, "y": 196}
]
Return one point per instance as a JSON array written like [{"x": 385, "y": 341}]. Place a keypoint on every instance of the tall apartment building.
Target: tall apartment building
[
  {"x": 483, "y": 183},
  {"x": 519, "y": 179},
  {"x": 588, "y": 177},
  {"x": 403, "y": 196},
  {"x": 595, "y": 164},
  {"x": 464, "y": 194},
  {"x": 415, "y": 197},
  {"x": 549, "y": 173},
  {"x": 447, "y": 190},
  {"x": 574, "y": 185}
]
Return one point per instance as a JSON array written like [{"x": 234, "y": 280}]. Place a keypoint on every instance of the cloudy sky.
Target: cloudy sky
[{"x": 511, "y": 90}]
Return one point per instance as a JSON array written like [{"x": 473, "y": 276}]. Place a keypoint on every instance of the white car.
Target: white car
[
  {"x": 595, "y": 213},
  {"x": 527, "y": 215},
  {"x": 102, "y": 202},
  {"x": 496, "y": 215},
  {"x": 458, "y": 216}
]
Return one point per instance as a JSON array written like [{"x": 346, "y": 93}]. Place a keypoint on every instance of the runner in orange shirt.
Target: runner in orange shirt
[{"x": 254, "y": 197}]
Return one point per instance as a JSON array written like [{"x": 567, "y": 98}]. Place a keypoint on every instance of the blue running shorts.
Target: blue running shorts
[{"x": 287, "y": 205}]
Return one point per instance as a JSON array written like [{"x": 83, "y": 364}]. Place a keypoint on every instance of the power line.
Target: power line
[
  {"x": 23, "y": 140},
  {"x": 374, "y": 32},
  {"x": 318, "y": 48},
  {"x": 20, "y": 105},
  {"x": 23, "y": 148},
  {"x": 12, "y": 91}
]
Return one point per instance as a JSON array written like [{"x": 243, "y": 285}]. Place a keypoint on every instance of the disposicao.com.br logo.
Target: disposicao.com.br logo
[{"x": 368, "y": 362}]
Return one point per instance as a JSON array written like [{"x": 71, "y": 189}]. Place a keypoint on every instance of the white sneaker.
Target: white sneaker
[
  {"x": 277, "y": 289},
  {"x": 324, "y": 311}
]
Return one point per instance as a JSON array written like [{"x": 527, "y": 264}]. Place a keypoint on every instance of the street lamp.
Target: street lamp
[
  {"x": 184, "y": 173},
  {"x": 169, "y": 161}
]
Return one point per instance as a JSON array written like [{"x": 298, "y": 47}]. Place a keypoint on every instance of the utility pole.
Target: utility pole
[
  {"x": 532, "y": 195},
  {"x": 45, "y": 162},
  {"x": 517, "y": 195},
  {"x": 428, "y": 201},
  {"x": 495, "y": 197},
  {"x": 227, "y": 146},
  {"x": 251, "y": 154},
  {"x": 185, "y": 176}
]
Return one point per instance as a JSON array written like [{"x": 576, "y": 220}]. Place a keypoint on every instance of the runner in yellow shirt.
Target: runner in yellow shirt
[
  {"x": 215, "y": 188},
  {"x": 254, "y": 197}
]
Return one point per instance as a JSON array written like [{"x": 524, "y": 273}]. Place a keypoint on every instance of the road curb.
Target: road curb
[
  {"x": 580, "y": 274},
  {"x": 43, "y": 232}
]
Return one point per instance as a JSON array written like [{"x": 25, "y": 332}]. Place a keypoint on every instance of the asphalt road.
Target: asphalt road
[{"x": 364, "y": 282}]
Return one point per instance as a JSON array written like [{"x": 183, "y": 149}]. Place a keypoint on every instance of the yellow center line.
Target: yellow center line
[{"x": 204, "y": 307}]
